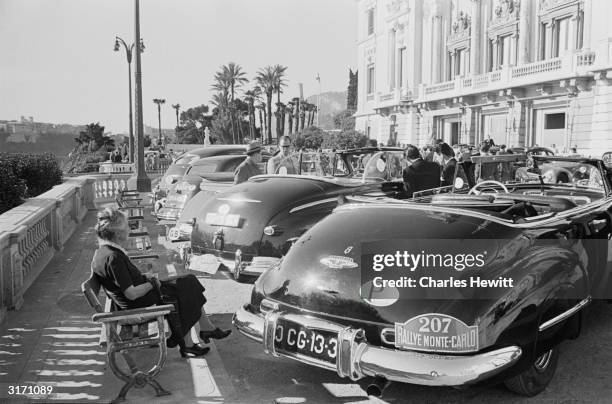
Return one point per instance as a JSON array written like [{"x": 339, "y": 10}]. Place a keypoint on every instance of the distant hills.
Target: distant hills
[{"x": 332, "y": 102}]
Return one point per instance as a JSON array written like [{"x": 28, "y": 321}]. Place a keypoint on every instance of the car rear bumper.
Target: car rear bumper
[
  {"x": 357, "y": 358},
  {"x": 248, "y": 265},
  {"x": 171, "y": 214}
]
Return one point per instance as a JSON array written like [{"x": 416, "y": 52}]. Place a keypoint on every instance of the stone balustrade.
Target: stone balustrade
[
  {"x": 33, "y": 232},
  {"x": 571, "y": 65}
]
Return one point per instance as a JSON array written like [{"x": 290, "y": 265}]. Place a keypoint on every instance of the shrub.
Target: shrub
[
  {"x": 26, "y": 176},
  {"x": 349, "y": 139},
  {"x": 310, "y": 138}
]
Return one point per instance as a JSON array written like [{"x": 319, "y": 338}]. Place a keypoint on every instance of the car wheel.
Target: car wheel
[{"x": 535, "y": 379}]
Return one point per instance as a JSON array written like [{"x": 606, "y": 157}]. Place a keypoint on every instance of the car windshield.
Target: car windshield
[
  {"x": 579, "y": 173},
  {"x": 370, "y": 165},
  {"x": 203, "y": 168}
]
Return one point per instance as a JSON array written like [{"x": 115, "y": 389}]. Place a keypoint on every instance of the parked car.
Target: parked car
[
  {"x": 178, "y": 168},
  {"x": 249, "y": 226},
  {"x": 317, "y": 305}
]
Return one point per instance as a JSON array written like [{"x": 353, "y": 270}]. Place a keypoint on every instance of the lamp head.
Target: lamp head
[
  {"x": 116, "y": 48},
  {"x": 142, "y": 46}
]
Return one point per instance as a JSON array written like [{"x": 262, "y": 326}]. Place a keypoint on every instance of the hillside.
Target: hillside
[{"x": 332, "y": 102}]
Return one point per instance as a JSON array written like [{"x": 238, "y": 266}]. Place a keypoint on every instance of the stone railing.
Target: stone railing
[
  {"x": 31, "y": 234},
  {"x": 571, "y": 65},
  {"x": 159, "y": 166}
]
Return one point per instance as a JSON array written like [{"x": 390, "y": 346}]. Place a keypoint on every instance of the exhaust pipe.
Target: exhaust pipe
[{"x": 377, "y": 387}]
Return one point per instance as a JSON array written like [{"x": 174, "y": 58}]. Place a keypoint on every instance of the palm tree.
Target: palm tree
[
  {"x": 227, "y": 80},
  {"x": 250, "y": 97},
  {"x": 266, "y": 80},
  {"x": 279, "y": 83},
  {"x": 262, "y": 117}
]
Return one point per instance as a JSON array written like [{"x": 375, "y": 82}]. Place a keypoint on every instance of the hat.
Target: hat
[{"x": 252, "y": 148}]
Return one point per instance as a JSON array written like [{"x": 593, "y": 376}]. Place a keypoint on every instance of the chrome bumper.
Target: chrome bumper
[{"x": 356, "y": 358}]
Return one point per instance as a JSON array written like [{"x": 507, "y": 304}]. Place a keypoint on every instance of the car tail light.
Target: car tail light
[{"x": 272, "y": 230}]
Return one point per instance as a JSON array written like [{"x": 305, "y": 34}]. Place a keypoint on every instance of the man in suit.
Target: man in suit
[
  {"x": 248, "y": 168},
  {"x": 420, "y": 174}
]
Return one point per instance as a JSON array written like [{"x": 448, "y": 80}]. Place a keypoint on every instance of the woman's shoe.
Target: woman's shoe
[
  {"x": 194, "y": 350},
  {"x": 217, "y": 333}
]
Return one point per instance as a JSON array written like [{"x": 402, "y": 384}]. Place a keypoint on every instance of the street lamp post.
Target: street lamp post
[
  {"x": 128, "y": 51},
  {"x": 159, "y": 102},
  {"x": 139, "y": 180},
  {"x": 176, "y": 107},
  {"x": 318, "y": 99}
]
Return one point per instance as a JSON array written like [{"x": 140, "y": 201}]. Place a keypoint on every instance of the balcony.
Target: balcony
[{"x": 573, "y": 65}]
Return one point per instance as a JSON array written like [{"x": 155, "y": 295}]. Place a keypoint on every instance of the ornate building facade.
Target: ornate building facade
[{"x": 521, "y": 72}]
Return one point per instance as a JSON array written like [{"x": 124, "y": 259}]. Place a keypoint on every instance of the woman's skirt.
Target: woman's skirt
[{"x": 186, "y": 293}]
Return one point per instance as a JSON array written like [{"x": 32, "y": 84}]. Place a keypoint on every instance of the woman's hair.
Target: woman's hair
[
  {"x": 446, "y": 150},
  {"x": 110, "y": 220}
]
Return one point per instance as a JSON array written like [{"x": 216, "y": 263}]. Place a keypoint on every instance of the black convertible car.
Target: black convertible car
[
  {"x": 356, "y": 293},
  {"x": 249, "y": 226}
]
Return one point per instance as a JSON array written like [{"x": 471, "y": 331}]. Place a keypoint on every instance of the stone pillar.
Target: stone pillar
[
  {"x": 495, "y": 54},
  {"x": 524, "y": 26},
  {"x": 414, "y": 49},
  {"x": 513, "y": 45},
  {"x": 453, "y": 64},
  {"x": 475, "y": 38},
  {"x": 436, "y": 62}
]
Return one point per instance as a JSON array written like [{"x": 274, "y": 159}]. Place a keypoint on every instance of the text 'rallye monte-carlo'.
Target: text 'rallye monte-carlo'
[{"x": 450, "y": 289}]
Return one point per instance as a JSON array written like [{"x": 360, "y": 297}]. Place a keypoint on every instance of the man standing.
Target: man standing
[
  {"x": 248, "y": 168},
  {"x": 282, "y": 159},
  {"x": 420, "y": 174}
]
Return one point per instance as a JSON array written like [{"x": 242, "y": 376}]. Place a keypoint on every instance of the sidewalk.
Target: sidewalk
[{"x": 51, "y": 341}]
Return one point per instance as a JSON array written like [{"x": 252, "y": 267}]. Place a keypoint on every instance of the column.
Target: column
[
  {"x": 453, "y": 64},
  {"x": 513, "y": 45},
  {"x": 495, "y": 54},
  {"x": 436, "y": 63},
  {"x": 523, "y": 39},
  {"x": 475, "y": 38},
  {"x": 414, "y": 48}
]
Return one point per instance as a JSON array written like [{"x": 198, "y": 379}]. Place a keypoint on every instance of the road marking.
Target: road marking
[
  {"x": 203, "y": 380},
  {"x": 171, "y": 269}
]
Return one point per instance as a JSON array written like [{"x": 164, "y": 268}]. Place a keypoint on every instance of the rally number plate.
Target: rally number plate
[{"x": 217, "y": 219}]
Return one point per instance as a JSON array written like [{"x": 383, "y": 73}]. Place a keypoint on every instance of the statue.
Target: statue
[{"x": 206, "y": 136}]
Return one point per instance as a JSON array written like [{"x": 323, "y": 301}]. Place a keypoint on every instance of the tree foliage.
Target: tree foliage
[
  {"x": 310, "y": 138},
  {"x": 351, "y": 97},
  {"x": 344, "y": 120},
  {"x": 349, "y": 139}
]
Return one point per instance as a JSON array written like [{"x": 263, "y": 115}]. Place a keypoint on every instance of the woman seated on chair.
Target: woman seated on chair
[{"x": 130, "y": 289}]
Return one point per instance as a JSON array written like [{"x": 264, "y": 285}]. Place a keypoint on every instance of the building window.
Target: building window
[
  {"x": 554, "y": 121},
  {"x": 463, "y": 62},
  {"x": 505, "y": 51},
  {"x": 563, "y": 37},
  {"x": 371, "y": 21},
  {"x": 400, "y": 68},
  {"x": 370, "y": 80}
]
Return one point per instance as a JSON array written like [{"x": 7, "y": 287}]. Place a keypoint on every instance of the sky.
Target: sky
[{"x": 57, "y": 62}]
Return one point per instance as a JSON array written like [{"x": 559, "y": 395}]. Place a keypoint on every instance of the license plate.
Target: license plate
[
  {"x": 294, "y": 338},
  {"x": 174, "y": 234},
  {"x": 222, "y": 220}
]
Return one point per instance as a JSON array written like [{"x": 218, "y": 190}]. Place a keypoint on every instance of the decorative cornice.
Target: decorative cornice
[{"x": 547, "y": 5}]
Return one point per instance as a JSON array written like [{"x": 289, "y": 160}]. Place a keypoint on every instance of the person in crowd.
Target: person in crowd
[
  {"x": 129, "y": 288},
  {"x": 420, "y": 174},
  {"x": 282, "y": 159},
  {"x": 449, "y": 164},
  {"x": 427, "y": 153},
  {"x": 249, "y": 167},
  {"x": 486, "y": 171}
]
